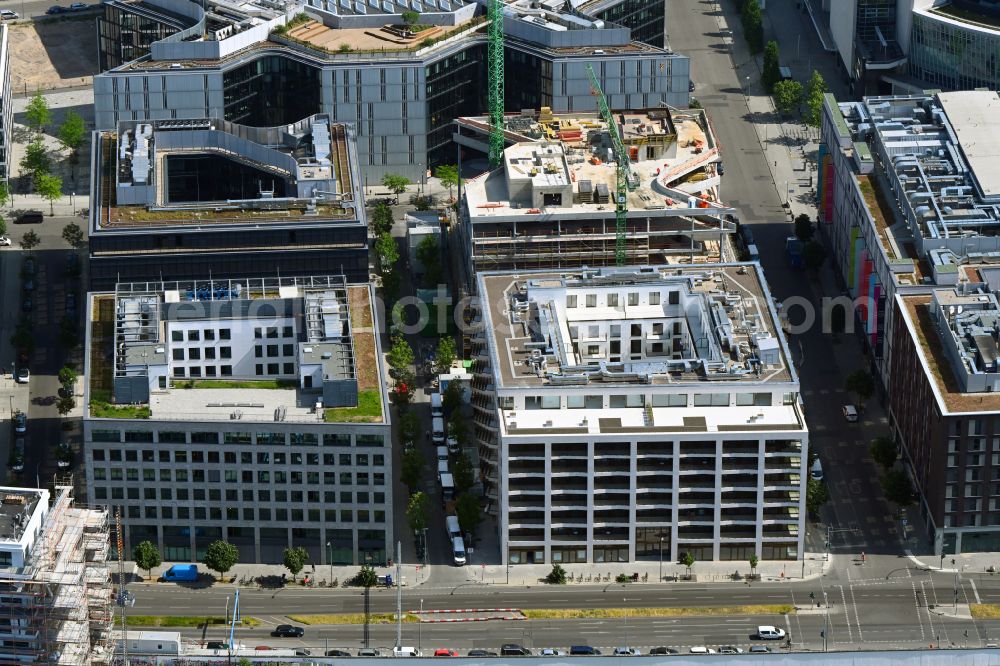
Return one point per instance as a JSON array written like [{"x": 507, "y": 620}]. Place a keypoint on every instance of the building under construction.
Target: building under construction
[{"x": 54, "y": 580}]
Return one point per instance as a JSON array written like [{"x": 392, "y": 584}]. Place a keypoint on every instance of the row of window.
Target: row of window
[
  {"x": 229, "y": 457},
  {"x": 639, "y": 400},
  {"x": 593, "y": 331},
  {"x": 238, "y": 438},
  {"x": 197, "y": 353},
  {"x": 247, "y": 496},
  {"x": 231, "y": 514},
  {"x": 195, "y": 335},
  {"x": 611, "y": 300},
  {"x": 242, "y": 476}
]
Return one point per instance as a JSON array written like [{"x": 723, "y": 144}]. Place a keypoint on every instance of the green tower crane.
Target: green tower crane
[
  {"x": 621, "y": 168},
  {"x": 494, "y": 64}
]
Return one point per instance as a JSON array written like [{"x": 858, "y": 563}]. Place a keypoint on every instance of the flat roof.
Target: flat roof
[
  {"x": 723, "y": 317},
  {"x": 17, "y": 505},
  {"x": 975, "y": 118}
]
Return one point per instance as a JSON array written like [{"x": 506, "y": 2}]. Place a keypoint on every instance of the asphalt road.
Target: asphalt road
[{"x": 37, "y": 8}]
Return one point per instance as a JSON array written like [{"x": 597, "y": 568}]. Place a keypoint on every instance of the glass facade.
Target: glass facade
[
  {"x": 952, "y": 57},
  {"x": 214, "y": 178},
  {"x": 531, "y": 88},
  {"x": 126, "y": 33},
  {"x": 271, "y": 91},
  {"x": 456, "y": 87},
  {"x": 874, "y": 16},
  {"x": 645, "y": 18}
]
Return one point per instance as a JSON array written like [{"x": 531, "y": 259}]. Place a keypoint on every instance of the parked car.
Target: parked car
[
  {"x": 16, "y": 460},
  {"x": 769, "y": 633},
  {"x": 72, "y": 264},
  {"x": 403, "y": 652},
  {"x": 626, "y": 652},
  {"x": 850, "y": 413},
  {"x": 27, "y": 304},
  {"x": 690, "y": 86},
  {"x": 583, "y": 650},
  {"x": 701, "y": 649},
  {"x": 664, "y": 650},
  {"x": 369, "y": 652},
  {"x": 338, "y": 653},
  {"x": 79, "y": 7},
  {"x": 302, "y": 652},
  {"x": 759, "y": 649},
  {"x": 4, "y": 240},
  {"x": 56, "y": 9},
  {"x": 514, "y": 650},
  {"x": 445, "y": 652},
  {"x": 552, "y": 652},
  {"x": 730, "y": 649},
  {"x": 28, "y": 267},
  {"x": 20, "y": 423},
  {"x": 8, "y": 15},
  {"x": 288, "y": 631},
  {"x": 29, "y": 284},
  {"x": 481, "y": 653},
  {"x": 36, "y": 216},
  {"x": 216, "y": 645},
  {"x": 23, "y": 375}
]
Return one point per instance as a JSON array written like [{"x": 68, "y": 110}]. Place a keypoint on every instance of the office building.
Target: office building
[
  {"x": 128, "y": 28},
  {"x": 945, "y": 409},
  {"x": 953, "y": 45},
  {"x": 633, "y": 413},
  {"x": 865, "y": 36},
  {"x": 906, "y": 195},
  {"x": 54, "y": 580},
  {"x": 400, "y": 88},
  {"x": 551, "y": 202},
  {"x": 183, "y": 199},
  {"x": 6, "y": 107},
  {"x": 247, "y": 410}
]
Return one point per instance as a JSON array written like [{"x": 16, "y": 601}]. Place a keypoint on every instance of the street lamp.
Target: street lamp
[
  {"x": 329, "y": 558},
  {"x": 419, "y": 628},
  {"x": 660, "y": 579},
  {"x": 625, "y": 602}
]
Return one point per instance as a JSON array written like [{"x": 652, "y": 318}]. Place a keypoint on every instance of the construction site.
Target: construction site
[
  {"x": 554, "y": 200},
  {"x": 55, "y": 579}
]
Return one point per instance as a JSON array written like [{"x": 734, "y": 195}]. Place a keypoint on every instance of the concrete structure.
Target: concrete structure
[
  {"x": 248, "y": 410},
  {"x": 182, "y": 199},
  {"x": 907, "y": 195},
  {"x": 551, "y": 203},
  {"x": 355, "y": 62},
  {"x": 633, "y": 413},
  {"x": 6, "y": 107},
  {"x": 944, "y": 409},
  {"x": 54, "y": 580}
]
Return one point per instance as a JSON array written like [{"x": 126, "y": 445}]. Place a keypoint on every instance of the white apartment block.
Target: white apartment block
[
  {"x": 6, "y": 107},
  {"x": 622, "y": 411},
  {"x": 246, "y": 410}
]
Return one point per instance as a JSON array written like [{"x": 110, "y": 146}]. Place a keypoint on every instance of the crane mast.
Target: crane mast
[
  {"x": 621, "y": 168},
  {"x": 494, "y": 63}
]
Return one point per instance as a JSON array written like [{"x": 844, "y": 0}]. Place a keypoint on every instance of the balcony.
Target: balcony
[
  {"x": 526, "y": 451},
  {"x": 697, "y": 465},
  {"x": 564, "y": 483},
  {"x": 687, "y": 533},
  {"x": 609, "y": 500},
  {"x": 737, "y": 532},
  {"x": 568, "y": 500},
  {"x": 656, "y": 465},
  {"x": 615, "y": 482},
  {"x": 564, "y": 450},
  {"x": 526, "y": 500},
  {"x": 526, "y": 467},
  {"x": 739, "y": 498},
  {"x": 658, "y": 517},
  {"x": 653, "y": 499},
  {"x": 730, "y": 465},
  {"x": 605, "y": 465},
  {"x": 526, "y": 484},
  {"x": 568, "y": 518},
  {"x": 526, "y": 535},
  {"x": 573, "y": 534},
  {"x": 702, "y": 498},
  {"x": 740, "y": 449},
  {"x": 569, "y": 466}
]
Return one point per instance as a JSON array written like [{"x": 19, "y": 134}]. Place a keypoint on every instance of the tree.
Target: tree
[
  {"x": 452, "y": 398},
  {"x": 147, "y": 556},
  {"x": 448, "y": 175},
  {"x": 753, "y": 25},
  {"x": 687, "y": 559},
  {"x": 557, "y": 576},
  {"x": 813, "y": 255},
  {"x": 412, "y": 469},
  {"x": 381, "y": 219},
  {"x": 753, "y": 561},
  {"x": 23, "y": 338},
  {"x": 897, "y": 487},
  {"x": 29, "y": 241},
  {"x": 50, "y": 187},
  {"x": 36, "y": 159},
  {"x": 38, "y": 112},
  {"x": 469, "y": 513},
  {"x": 817, "y": 494},
  {"x": 395, "y": 183},
  {"x": 71, "y": 133},
  {"x": 73, "y": 234},
  {"x": 883, "y": 451},
  {"x": 465, "y": 475},
  {"x": 429, "y": 255},
  {"x": 387, "y": 251},
  {"x": 804, "y": 228},
  {"x": 787, "y": 96},
  {"x": 814, "y": 99},
  {"x": 445, "y": 354},
  {"x": 410, "y": 18},
  {"x": 861, "y": 384},
  {"x": 67, "y": 375},
  {"x": 771, "y": 73},
  {"x": 65, "y": 404},
  {"x": 457, "y": 427},
  {"x": 220, "y": 556},
  {"x": 4, "y": 200},
  {"x": 366, "y": 578},
  {"x": 400, "y": 355},
  {"x": 409, "y": 428},
  {"x": 416, "y": 512},
  {"x": 294, "y": 559}
]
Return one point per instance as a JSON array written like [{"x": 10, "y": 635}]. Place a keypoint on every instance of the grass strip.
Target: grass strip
[
  {"x": 985, "y": 611},
  {"x": 600, "y": 613},
  {"x": 184, "y": 621},
  {"x": 351, "y": 618},
  {"x": 369, "y": 410}
]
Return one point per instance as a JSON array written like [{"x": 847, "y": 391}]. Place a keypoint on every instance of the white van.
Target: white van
[
  {"x": 769, "y": 633},
  {"x": 442, "y": 453},
  {"x": 816, "y": 471},
  {"x": 436, "y": 404},
  {"x": 458, "y": 551},
  {"x": 451, "y": 526},
  {"x": 447, "y": 487},
  {"x": 442, "y": 468},
  {"x": 405, "y": 652},
  {"x": 437, "y": 430},
  {"x": 453, "y": 446}
]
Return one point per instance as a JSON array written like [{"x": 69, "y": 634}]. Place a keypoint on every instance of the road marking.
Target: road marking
[
  {"x": 847, "y": 615},
  {"x": 916, "y": 600},
  {"x": 857, "y": 617},
  {"x": 974, "y": 590}
]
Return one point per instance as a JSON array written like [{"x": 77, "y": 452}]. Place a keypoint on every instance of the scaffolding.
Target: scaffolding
[{"x": 59, "y": 606}]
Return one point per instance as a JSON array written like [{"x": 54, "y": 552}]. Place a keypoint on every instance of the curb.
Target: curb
[
  {"x": 465, "y": 610},
  {"x": 472, "y": 619}
]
